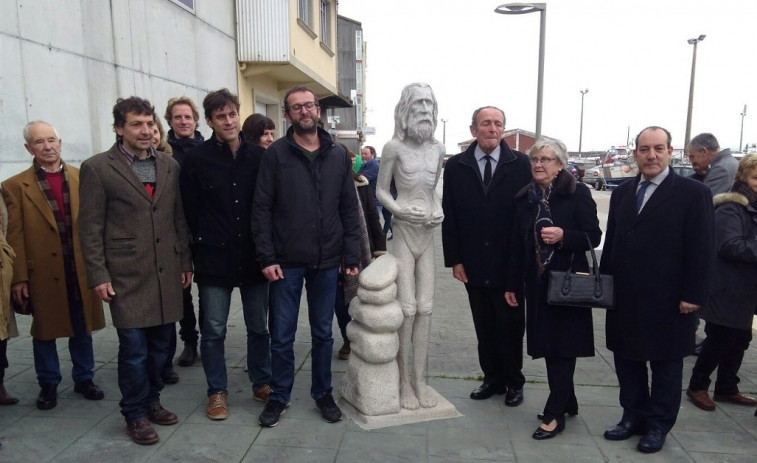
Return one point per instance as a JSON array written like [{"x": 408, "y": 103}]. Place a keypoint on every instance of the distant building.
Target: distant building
[
  {"x": 283, "y": 43},
  {"x": 517, "y": 139},
  {"x": 347, "y": 123}
]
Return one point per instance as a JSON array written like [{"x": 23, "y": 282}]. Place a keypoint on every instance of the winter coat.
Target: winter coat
[
  {"x": 305, "y": 213},
  {"x": 733, "y": 294},
  {"x": 478, "y": 221},
  {"x": 555, "y": 331},
  {"x": 217, "y": 191},
  {"x": 181, "y": 146},
  {"x": 33, "y": 234},
  {"x": 659, "y": 257},
  {"x": 139, "y": 244}
]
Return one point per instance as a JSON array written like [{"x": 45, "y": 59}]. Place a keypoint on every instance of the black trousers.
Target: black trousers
[
  {"x": 189, "y": 334},
  {"x": 656, "y": 407},
  {"x": 723, "y": 349},
  {"x": 499, "y": 329},
  {"x": 562, "y": 395},
  {"x": 3, "y": 358}
]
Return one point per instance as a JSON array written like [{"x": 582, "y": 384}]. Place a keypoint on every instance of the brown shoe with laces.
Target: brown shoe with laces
[
  {"x": 141, "y": 432},
  {"x": 217, "y": 406},
  {"x": 738, "y": 399},
  {"x": 159, "y": 415}
]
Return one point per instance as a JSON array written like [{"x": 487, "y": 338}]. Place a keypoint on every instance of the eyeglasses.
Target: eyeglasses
[
  {"x": 544, "y": 161},
  {"x": 298, "y": 107}
]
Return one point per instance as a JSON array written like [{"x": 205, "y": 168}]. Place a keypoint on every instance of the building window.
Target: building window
[
  {"x": 188, "y": 5},
  {"x": 359, "y": 45},
  {"x": 325, "y": 22},
  {"x": 305, "y": 12}
]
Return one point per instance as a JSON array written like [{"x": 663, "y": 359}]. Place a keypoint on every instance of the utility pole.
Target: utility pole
[
  {"x": 741, "y": 138},
  {"x": 581, "y": 131}
]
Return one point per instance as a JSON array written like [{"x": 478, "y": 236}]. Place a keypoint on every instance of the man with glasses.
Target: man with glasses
[
  {"x": 305, "y": 224},
  {"x": 479, "y": 204}
]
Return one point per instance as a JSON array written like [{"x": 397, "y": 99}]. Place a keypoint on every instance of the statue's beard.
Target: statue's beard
[{"x": 420, "y": 129}]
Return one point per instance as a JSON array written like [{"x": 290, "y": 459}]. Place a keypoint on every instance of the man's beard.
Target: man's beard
[
  {"x": 300, "y": 130},
  {"x": 420, "y": 129}
]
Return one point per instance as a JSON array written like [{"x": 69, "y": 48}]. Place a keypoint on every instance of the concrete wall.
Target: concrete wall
[{"x": 67, "y": 61}]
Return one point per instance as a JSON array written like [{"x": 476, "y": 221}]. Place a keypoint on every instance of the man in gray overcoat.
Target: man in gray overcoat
[{"x": 136, "y": 250}]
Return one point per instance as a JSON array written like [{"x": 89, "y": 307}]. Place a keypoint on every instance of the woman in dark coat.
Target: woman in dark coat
[
  {"x": 732, "y": 300},
  {"x": 555, "y": 218}
]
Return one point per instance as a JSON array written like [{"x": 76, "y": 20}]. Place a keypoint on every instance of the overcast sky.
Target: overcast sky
[{"x": 632, "y": 55}]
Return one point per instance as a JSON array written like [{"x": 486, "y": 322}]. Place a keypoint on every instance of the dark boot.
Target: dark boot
[
  {"x": 48, "y": 396},
  {"x": 5, "y": 398},
  {"x": 188, "y": 355}
]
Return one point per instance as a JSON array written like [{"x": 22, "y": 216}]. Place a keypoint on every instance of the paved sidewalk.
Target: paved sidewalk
[{"x": 78, "y": 430}]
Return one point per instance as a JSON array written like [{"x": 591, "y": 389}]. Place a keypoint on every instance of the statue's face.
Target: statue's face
[{"x": 420, "y": 118}]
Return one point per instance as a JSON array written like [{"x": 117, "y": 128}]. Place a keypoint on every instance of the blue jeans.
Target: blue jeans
[
  {"x": 46, "y": 361},
  {"x": 142, "y": 353},
  {"x": 285, "y": 308},
  {"x": 214, "y": 303}
]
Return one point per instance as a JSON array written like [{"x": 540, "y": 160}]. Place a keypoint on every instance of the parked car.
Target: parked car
[
  {"x": 684, "y": 171},
  {"x": 595, "y": 178},
  {"x": 575, "y": 170}
]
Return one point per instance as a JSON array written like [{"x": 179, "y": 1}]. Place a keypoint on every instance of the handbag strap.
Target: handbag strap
[{"x": 594, "y": 270}]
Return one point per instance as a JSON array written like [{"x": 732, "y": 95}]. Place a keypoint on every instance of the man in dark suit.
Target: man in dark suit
[
  {"x": 479, "y": 204},
  {"x": 135, "y": 244},
  {"x": 659, "y": 247}
]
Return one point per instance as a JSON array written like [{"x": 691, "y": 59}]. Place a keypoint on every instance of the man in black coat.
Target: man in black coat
[
  {"x": 217, "y": 187},
  {"x": 479, "y": 205},
  {"x": 182, "y": 118},
  {"x": 660, "y": 248}
]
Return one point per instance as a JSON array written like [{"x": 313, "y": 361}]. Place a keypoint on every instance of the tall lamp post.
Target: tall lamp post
[
  {"x": 581, "y": 131},
  {"x": 741, "y": 138},
  {"x": 694, "y": 42},
  {"x": 444, "y": 134},
  {"x": 525, "y": 8}
]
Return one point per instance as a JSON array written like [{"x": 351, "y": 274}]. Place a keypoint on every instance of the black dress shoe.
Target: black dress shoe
[
  {"x": 90, "y": 390},
  {"x": 188, "y": 355},
  {"x": 48, "y": 396},
  {"x": 486, "y": 390},
  {"x": 169, "y": 376},
  {"x": 623, "y": 431},
  {"x": 541, "y": 433},
  {"x": 514, "y": 397},
  {"x": 652, "y": 441}
]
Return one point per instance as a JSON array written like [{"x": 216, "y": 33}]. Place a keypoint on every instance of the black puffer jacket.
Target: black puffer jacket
[
  {"x": 217, "y": 191},
  {"x": 181, "y": 146},
  {"x": 733, "y": 294},
  {"x": 305, "y": 213}
]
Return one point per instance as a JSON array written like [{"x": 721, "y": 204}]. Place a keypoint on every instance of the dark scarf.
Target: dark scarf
[
  {"x": 64, "y": 224},
  {"x": 744, "y": 189},
  {"x": 543, "y": 219}
]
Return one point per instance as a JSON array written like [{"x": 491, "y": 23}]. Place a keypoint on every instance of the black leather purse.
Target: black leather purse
[{"x": 577, "y": 290}]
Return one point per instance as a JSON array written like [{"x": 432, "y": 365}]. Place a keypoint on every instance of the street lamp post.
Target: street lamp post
[
  {"x": 741, "y": 138},
  {"x": 444, "y": 134},
  {"x": 581, "y": 131},
  {"x": 525, "y": 8},
  {"x": 694, "y": 42}
]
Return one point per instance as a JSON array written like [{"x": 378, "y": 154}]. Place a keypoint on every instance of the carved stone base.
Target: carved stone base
[{"x": 443, "y": 410}]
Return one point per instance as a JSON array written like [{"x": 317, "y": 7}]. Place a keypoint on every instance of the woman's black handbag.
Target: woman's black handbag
[{"x": 571, "y": 289}]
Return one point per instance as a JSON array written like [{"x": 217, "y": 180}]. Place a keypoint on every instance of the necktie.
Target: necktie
[
  {"x": 488, "y": 170},
  {"x": 640, "y": 194}
]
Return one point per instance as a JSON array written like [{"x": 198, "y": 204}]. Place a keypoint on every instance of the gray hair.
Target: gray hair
[
  {"x": 475, "y": 115},
  {"x": 402, "y": 109},
  {"x": 705, "y": 140},
  {"x": 557, "y": 147},
  {"x": 28, "y": 136}
]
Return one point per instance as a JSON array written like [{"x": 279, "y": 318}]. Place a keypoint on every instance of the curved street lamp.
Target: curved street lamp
[
  {"x": 694, "y": 42},
  {"x": 581, "y": 131},
  {"x": 525, "y": 8}
]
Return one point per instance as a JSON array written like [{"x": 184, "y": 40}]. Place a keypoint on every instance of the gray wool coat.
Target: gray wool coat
[{"x": 139, "y": 244}]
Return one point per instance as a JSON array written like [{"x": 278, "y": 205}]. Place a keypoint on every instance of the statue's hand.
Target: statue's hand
[
  {"x": 436, "y": 220},
  {"x": 412, "y": 214}
]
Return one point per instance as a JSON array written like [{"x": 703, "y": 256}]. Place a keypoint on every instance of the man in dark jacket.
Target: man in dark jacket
[
  {"x": 217, "y": 187},
  {"x": 660, "y": 249},
  {"x": 479, "y": 204},
  {"x": 182, "y": 117},
  {"x": 305, "y": 220}
]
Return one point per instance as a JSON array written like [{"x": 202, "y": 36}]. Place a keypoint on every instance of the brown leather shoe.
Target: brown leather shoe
[
  {"x": 738, "y": 399},
  {"x": 218, "y": 408},
  {"x": 344, "y": 352},
  {"x": 261, "y": 395},
  {"x": 701, "y": 399},
  {"x": 159, "y": 415},
  {"x": 141, "y": 432},
  {"x": 5, "y": 398}
]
